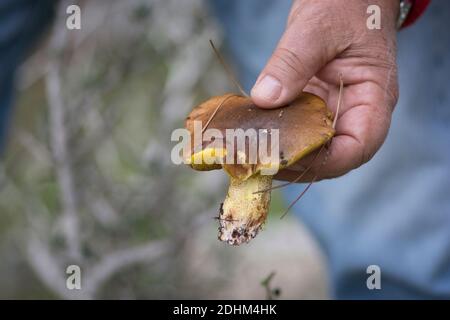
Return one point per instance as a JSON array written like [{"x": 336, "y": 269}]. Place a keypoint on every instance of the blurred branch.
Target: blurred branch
[
  {"x": 98, "y": 112},
  {"x": 50, "y": 270},
  {"x": 113, "y": 262},
  {"x": 37, "y": 149},
  {"x": 59, "y": 138}
]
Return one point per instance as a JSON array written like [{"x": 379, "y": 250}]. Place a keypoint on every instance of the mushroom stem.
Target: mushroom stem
[{"x": 244, "y": 212}]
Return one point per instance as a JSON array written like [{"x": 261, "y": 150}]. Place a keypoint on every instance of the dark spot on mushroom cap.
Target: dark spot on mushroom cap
[
  {"x": 235, "y": 234},
  {"x": 283, "y": 162},
  {"x": 281, "y": 155}
]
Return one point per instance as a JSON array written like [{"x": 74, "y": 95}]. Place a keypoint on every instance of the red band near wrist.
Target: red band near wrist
[{"x": 417, "y": 9}]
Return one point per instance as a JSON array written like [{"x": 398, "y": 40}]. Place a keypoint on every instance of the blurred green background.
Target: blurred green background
[{"x": 87, "y": 178}]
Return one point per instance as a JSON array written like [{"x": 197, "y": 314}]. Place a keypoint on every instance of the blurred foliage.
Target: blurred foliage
[
  {"x": 87, "y": 177},
  {"x": 116, "y": 75}
]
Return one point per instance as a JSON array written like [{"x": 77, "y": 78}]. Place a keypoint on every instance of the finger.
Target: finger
[
  {"x": 360, "y": 132},
  {"x": 303, "y": 50},
  {"x": 319, "y": 88}
]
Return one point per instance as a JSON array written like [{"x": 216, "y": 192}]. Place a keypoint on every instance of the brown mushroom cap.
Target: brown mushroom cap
[{"x": 304, "y": 125}]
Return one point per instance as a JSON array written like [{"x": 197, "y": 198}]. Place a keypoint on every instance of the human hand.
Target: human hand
[{"x": 323, "y": 40}]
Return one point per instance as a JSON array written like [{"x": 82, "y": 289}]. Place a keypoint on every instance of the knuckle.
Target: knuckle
[
  {"x": 289, "y": 64},
  {"x": 366, "y": 156},
  {"x": 364, "y": 153},
  {"x": 393, "y": 92},
  {"x": 361, "y": 156}
]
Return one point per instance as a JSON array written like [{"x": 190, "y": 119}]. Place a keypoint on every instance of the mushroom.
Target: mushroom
[{"x": 303, "y": 126}]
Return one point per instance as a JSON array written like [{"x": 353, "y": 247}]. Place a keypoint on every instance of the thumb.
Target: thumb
[{"x": 302, "y": 51}]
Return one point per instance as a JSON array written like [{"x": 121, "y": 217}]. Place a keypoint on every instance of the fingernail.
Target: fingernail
[{"x": 268, "y": 88}]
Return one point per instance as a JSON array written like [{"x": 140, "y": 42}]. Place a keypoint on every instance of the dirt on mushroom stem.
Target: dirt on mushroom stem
[{"x": 304, "y": 125}]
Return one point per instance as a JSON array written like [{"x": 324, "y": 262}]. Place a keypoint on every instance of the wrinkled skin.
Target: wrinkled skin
[{"x": 322, "y": 40}]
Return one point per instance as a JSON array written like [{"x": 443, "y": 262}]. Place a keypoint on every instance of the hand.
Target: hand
[{"x": 325, "y": 39}]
